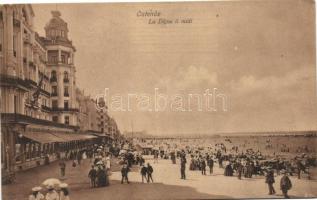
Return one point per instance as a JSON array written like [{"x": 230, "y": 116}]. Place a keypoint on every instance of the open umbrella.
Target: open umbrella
[{"x": 51, "y": 182}]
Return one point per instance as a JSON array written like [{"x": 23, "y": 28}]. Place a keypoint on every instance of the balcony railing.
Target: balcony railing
[
  {"x": 13, "y": 81},
  {"x": 53, "y": 79},
  {"x": 66, "y": 94},
  {"x": 65, "y": 109},
  {"x": 45, "y": 92},
  {"x": 31, "y": 82},
  {"x": 46, "y": 108},
  {"x": 34, "y": 104},
  {"x": 66, "y": 80},
  {"x": 54, "y": 94}
]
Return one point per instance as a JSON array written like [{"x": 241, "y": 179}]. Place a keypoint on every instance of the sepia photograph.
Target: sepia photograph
[{"x": 158, "y": 100}]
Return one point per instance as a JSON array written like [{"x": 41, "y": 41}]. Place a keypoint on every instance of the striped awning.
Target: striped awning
[{"x": 44, "y": 137}]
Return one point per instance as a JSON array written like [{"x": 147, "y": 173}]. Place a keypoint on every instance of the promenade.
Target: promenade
[{"x": 167, "y": 184}]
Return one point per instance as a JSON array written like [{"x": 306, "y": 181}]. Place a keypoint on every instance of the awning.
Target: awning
[
  {"x": 66, "y": 137},
  {"x": 42, "y": 137}
]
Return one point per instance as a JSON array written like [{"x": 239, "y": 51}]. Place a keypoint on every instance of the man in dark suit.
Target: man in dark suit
[{"x": 149, "y": 173}]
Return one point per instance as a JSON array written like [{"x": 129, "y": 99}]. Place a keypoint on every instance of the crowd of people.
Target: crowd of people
[
  {"x": 235, "y": 160},
  {"x": 240, "y": 160},
  {"x": 52, "y": 192}
]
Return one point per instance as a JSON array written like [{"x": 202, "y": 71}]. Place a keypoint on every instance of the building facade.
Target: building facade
[{"x": 39, "y": 107}]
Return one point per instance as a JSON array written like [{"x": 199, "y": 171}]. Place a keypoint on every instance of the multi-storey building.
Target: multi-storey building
[
  {"x": 39, "y": 110},
  {"x": 60, "y": 63}
]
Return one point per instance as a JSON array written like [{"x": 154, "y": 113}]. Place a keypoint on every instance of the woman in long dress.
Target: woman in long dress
[
  {"x": 36, "y": 194},
  {"x": 51, "y": 194},
  {"x": 64, "y": 193}
]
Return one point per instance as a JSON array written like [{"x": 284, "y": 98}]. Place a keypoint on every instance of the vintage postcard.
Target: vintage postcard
[{"x": 158, "y": 100}]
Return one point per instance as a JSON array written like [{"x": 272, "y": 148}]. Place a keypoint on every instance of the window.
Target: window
[
  {"x": 67, "y": 120},
  {"x": 65, "y": 75},
  {"x": 66, "y": 105},
  {"x": 54, "y": 90},
  {"x": 14, "y": 45},
  {"x": 55, "y": 118},
  {"x": 53, "y": 74},
  {"x": 54, "y": 104},
  {"x": 44, "y": 102},
  {"x": 66, "y": 94},
  {"x": 52, "y": 59},
  {"x": 63, "y": 58}
]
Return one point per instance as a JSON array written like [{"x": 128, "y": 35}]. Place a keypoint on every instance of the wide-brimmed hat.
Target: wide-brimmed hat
[
  {"x": 63, "y": 185},
  {"x": 36, "y": 189}
]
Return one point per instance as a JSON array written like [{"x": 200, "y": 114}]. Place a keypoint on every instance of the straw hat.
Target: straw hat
[
  {"x": 36, "y": 189},
  {"x": 63, "y": 185}
]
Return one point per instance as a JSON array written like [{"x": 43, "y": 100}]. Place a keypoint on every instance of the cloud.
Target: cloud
[
  {"x": 250, "y": 83},
  {"x": 191, "y": 78}
]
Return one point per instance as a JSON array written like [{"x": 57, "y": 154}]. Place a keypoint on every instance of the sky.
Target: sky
[{"x": 260, "y": 55}]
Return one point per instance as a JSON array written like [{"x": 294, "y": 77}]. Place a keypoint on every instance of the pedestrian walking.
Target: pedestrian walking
[
  {"x": 36, "y": 194},
  {"x": 203, "y": 167},
  {"x": 124, "y": 173},
  {"x": 101, "y": 176},
  {"x": 62, "y": 166},
  {"x": 92, "y": 175},
  {"x": 156, "y": 154},
  {"x": 108, "y": 162},
  {"x": 64, "y": 193},
  {"x": 285, "y": 184},
  {"x": 149, "y": 173},
  {"x": 210, "y": 164},
  {"x": 183, "y": 166},
  {"x": 270, "y": 181},
  {"x": 79, "y": 157},
  {"x": 144, "y": 173},
  {"x": 239, "y": 170}
]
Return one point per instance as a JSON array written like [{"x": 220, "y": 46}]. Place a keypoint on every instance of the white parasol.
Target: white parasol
[{"x": 52, "y": 182}]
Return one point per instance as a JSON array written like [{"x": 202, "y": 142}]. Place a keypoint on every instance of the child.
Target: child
[{"x": 92, "y": 175}]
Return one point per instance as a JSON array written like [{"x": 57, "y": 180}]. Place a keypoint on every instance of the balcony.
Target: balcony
[
  {"x": 45, "y": 92},
  {"x": 46, "y": 108},
  {"x": 54, "y": 94},
  {"x": 13, "y": 81},
  {"x": 66, "y": 80},
  {"x": 66, "y": 94},
  {"x": 31, "y": 82},
  {"x": 54, "y": 109},
  {"x": 34, "y": 104},
  {"x": 53, "y": 79}
]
